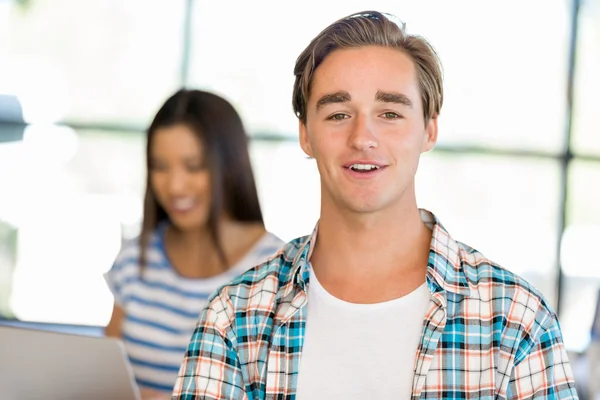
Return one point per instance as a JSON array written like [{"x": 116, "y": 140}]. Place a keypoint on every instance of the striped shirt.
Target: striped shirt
[
  {"x": 486, "y": 334},
  {"x": 162, "y": 307}
]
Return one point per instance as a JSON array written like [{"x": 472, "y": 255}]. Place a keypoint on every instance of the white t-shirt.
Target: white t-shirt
[{"x": 360, "y": 351}]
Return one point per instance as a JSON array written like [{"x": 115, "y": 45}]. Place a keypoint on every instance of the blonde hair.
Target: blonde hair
[{"x": 370, "y": 28}]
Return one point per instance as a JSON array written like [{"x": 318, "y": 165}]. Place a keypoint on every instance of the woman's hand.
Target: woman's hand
[{"x": 149, "y": 394}]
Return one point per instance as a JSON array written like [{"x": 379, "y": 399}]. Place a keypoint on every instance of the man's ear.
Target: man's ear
[
  {"x": 304, "y": 141},
  {"x": 431, "y": 134}
]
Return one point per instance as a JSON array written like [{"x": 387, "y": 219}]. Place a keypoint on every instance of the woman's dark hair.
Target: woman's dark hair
[{"x": 219, "y": 127}]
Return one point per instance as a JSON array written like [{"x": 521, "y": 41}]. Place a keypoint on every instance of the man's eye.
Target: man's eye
[
  {"x": 390, "y": 115},
  {"x": 338, "y": 117}
]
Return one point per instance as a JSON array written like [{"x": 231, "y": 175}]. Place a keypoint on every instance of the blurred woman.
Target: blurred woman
[{"x": 202, "y": 226}]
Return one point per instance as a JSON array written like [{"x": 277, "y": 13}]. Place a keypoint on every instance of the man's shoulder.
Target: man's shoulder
[
  {"x": 509, "y": 292},
  {"x": 278, "y": 265},
  {"x": 261, "y": 287},
  {"x": 479, "y": 269}
]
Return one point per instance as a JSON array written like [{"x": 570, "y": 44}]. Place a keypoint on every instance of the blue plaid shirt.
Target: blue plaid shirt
[{"x": 487, "y": 333}]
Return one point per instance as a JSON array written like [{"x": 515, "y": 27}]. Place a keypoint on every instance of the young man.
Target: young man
[{"x": 379, "y": 302}]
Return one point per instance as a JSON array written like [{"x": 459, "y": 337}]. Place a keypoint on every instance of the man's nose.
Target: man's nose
[{"x": 363, "y": 135}]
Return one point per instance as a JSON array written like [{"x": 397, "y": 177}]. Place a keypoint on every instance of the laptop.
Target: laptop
[{"x": 37, "y": 364}]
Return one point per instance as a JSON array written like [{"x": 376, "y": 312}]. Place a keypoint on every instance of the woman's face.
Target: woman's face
[{"x": 180, "y": 177}]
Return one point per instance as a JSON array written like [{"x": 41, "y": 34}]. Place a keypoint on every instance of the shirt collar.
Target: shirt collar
[
  {"x": 445, "y": 265},
  {"x": 444, "y": 268}
]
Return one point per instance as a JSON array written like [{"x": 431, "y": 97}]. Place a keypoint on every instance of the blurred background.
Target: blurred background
[{"x": 516, "y": 173}]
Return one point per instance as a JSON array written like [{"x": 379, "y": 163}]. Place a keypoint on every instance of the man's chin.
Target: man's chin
[{"x": 364, "y": 206}]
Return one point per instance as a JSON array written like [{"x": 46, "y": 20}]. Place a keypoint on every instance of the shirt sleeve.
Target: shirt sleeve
[
  {"x": 124, "y": 271},
  {"x": 545, "y": 372},
  {"x": 211, "y": 367}
]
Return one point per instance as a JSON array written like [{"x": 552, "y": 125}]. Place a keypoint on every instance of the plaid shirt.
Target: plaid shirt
[{"x": 487, "y": 333}]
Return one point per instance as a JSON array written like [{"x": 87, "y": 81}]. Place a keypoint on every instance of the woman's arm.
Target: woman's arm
[{"x": 114, "y": 325}]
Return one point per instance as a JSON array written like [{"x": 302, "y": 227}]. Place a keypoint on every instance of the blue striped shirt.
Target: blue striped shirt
[{"x": 162, "y": 309}]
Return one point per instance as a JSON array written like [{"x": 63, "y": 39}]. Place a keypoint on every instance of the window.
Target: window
[
  {"x": 504, "y": 85},
  {"x": 84, "y": 193},
  {"x": 586, "y": 139},
  {"x": 69, "y": 198},
  {"x": 104, "y": 62},
  {"x": 580, "y": 264},
  {"x": 505, "y": 207},
  {"x": 104, "y": 67},
  {"x": 288, "y": 187}
]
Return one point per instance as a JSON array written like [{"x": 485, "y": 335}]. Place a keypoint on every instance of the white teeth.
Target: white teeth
[
  {"x": 364, "y": 167},
  {"x": 183, "y": 204}
]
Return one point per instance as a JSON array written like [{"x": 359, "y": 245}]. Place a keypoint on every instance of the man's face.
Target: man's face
[{"x": 365, "y": 128}]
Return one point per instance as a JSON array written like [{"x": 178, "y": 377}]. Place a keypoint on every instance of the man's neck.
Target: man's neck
[{"x": 356, "y": 256}]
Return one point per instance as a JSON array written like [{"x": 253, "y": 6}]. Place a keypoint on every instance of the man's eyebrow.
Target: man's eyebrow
[
  {"x": 336, "y": 97},
  {"x": 393, "y": 97}
]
